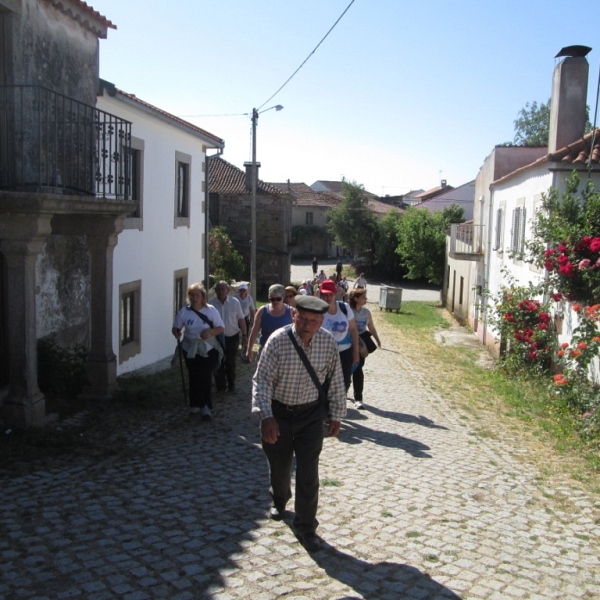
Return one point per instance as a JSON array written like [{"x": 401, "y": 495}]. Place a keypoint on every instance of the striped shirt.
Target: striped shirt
[{"x": 281, "y": 375}]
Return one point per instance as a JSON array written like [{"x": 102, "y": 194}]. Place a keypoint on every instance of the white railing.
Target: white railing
[{"x": 466, "y": 238}]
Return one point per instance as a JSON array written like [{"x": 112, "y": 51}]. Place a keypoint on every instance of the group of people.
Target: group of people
[{"x": 309, "y": 355}]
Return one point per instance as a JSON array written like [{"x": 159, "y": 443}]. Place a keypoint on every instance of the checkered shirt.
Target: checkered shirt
[{"x": 281, "y": 375}]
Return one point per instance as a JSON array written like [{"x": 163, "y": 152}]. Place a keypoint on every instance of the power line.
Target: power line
[{"x": 306, "y": 59}]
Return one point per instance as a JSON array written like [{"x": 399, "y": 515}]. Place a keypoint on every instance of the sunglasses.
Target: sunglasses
[{"x": 276, "y": 299}]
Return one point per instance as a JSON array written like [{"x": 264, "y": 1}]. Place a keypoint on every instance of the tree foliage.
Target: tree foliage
[
  {"x": 225, "y": 262},
  {"x": 389, "y": 262},
  {"x": 352, "y": 223},
  {"x": 532, "y": 125},
  {"x": 422, "y": 241}
]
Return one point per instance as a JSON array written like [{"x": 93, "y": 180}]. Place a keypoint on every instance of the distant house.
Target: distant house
[
  {"x": 63, "y": 199},
  {"x": 163, "y": 245},
  {"x": 309, "y": 235},
  {"x": 408, "y": 199},
  {"x": 230, "y": 202},
  {"x": 429, "y": 194},
  {"x": 463, "y": 196}
]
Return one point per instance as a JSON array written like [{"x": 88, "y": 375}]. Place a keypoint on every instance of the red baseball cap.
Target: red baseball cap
[{"x": 328, "y": 287}]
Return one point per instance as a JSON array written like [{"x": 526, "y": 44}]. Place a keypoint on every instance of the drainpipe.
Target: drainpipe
[
  {"x": 207, "y": 215},
  {"x": 486, "y": 266}
]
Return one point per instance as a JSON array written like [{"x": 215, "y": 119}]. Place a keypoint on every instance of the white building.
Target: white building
[{"x": 163, "y": 246}]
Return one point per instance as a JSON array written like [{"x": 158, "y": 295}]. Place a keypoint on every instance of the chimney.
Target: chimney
[
  {"x": 568, "y": 103},
  {"x": 444, "y": 183},
  {"x": 248, "y": 178}
]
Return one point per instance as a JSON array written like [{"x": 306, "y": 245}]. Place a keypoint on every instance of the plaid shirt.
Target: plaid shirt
[{"x": 281, "y": 375}]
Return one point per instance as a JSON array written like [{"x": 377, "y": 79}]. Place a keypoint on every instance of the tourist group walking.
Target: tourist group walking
[{"x": 312, "y": 345}]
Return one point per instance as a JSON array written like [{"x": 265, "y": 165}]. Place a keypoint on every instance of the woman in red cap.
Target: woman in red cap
[{"x": 339, "y": 321}]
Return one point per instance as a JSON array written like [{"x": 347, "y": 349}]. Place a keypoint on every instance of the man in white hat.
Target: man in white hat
[{"x": 292, "y": 411}]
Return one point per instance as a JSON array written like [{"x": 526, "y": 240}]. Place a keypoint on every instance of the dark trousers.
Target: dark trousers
[
  {"x": 301, "y": 434},
  {"x": 346, "y": 360},
  {"x": 200, "y": 371},
  {"x": 358, "y": 381},
  {"x": 226, "y": 372}
]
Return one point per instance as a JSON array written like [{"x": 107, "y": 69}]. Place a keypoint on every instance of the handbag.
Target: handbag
[
  {"x": 367, "y": 338},
  {"x": 322, "y": 391},
  {"x": 363, "y": 351}
]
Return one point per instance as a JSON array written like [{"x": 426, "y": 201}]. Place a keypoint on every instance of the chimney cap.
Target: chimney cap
[{"x": 574, "y": 51}]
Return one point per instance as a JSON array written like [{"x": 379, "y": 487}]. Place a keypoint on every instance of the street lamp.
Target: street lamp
[{"x": 253, "y": 240}]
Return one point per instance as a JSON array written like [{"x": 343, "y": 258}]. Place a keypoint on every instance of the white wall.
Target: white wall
[{"x": 154, "y": 253}]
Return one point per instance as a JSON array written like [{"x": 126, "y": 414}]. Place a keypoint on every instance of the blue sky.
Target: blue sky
[{"x": 400, "y": 95}]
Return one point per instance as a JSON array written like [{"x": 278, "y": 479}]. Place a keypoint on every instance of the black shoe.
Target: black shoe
[
  {"x": 231, "y": 388},
  {"x": 276, "y": 514},
  {"x": 311, "y": 541}
]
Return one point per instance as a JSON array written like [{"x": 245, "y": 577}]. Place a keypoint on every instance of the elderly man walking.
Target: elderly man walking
[
  {"x": 292, "y": 411},
  {"x": 233, "y": 317}
]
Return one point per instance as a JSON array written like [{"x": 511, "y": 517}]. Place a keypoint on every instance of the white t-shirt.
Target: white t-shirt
[
  {"x": 338, "y": 326},
  {"x": 193, "y": 325}
]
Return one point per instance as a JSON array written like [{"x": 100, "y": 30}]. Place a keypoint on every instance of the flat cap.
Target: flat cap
[{"x": 311, "y": 304}]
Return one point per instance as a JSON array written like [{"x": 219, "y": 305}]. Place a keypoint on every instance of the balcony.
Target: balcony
[
  {"x": 466, "y": 241},
  {"x": 50, "y": 143}
]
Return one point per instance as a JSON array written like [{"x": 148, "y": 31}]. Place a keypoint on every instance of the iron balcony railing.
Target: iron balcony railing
[
  {"x": 466, "y": 239},
  {"x": 54, "y": 144}
]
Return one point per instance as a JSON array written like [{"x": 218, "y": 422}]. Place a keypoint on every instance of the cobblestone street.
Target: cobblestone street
[{"x": 413, "y": 505}]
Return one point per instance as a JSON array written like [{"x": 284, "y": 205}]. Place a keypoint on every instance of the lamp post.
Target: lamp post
[{"x": 253, "y": 240}]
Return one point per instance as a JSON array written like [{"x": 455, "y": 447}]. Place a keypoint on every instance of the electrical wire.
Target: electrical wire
[{"x": 306, "y": 59}]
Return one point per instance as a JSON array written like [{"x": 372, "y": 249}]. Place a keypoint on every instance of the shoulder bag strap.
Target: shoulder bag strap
[
  {"x": 203, "y": 317},
  {"x": 306, "y": 362}
]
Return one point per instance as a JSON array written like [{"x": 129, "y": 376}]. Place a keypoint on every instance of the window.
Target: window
[
  {"x": 130, "y": 295},
  {"x": 518, "y": 230},
  {"x": 182, "y": 189},
  {"x": 135, "y": 183},
  {"x": 180, "y": 289},
  {"x": 499, "y": 233},
  {"x": 309, "y": 218}
]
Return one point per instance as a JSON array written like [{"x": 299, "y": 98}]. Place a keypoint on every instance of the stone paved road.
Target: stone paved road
[{"x": 414, "y": 505}]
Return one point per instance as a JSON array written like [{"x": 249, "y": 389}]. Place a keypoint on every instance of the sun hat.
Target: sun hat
[
  {"x": 243, "y": 287},
  {"x": 328, "y": 287}
]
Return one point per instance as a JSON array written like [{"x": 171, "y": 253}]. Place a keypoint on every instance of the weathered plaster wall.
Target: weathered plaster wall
[
  {"x": 63, "y": 290},
  {"x": 52, "y": 50}
]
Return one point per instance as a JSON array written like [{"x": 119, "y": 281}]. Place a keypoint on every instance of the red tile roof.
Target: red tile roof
[
  {"x": 576, "y": 153},
  {"x": 113, "y": 90},
  {"x": 67, "y": 7},
  {"x": 303, "y": 195},
  {"x": 225, "y": 178}
]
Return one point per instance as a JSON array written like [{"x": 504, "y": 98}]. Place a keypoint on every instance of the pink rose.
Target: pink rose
[{"x": 584, "y": 264}]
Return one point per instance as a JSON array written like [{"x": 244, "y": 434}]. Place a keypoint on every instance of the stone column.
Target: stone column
[
  {"x": 24, "y": 406},
  {"x": 101, "y": 232},
  {"x": 102, "y": 362}
]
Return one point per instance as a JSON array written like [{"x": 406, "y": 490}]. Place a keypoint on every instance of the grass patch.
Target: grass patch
[
  {"x": 328, "y": 482},
  {"x": 491, "y": 395}
]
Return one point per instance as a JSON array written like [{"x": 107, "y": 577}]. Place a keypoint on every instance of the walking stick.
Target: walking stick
[{"x": 180, "y": 352}]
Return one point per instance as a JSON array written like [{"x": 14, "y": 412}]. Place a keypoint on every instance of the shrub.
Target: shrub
[{"x": 61, "y": 371}]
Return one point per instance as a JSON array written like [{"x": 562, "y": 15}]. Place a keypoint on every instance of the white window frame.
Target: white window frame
[{"x": 130, "y": 347}]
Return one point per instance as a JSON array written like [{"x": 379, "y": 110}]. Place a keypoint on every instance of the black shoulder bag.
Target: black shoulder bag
[{"x": 322, "y": 391}]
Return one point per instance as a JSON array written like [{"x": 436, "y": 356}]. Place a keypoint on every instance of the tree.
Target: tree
[
  {"x": 422, "y": 241},
  {"x": 389, "y": 262},
  {"x": 352, "y": 223},
  {"x": 532, "y": 125},
  {"x": 225, "y": 262}
]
